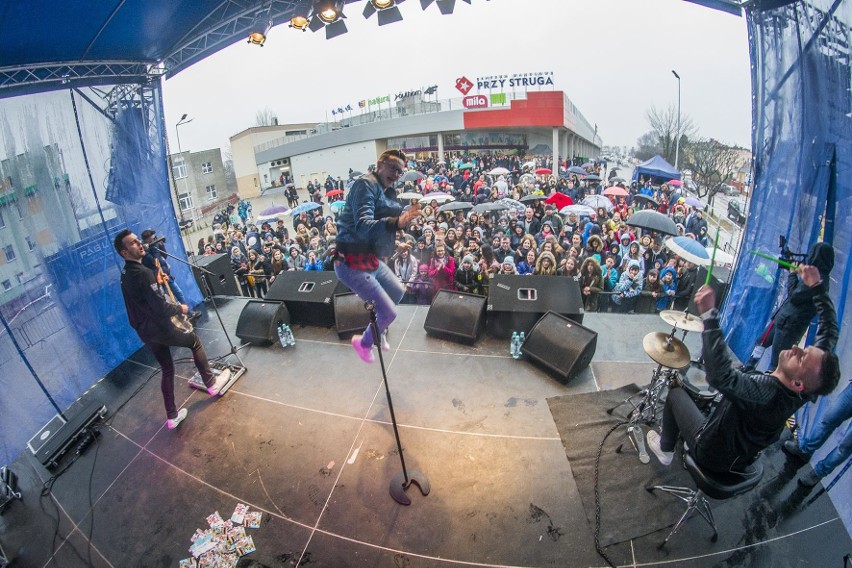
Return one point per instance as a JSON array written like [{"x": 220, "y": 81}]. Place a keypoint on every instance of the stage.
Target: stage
[{"x": 305, "y": 438}]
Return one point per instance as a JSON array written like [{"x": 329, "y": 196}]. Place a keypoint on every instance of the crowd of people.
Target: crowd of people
[{"x": 617, "y": 267}]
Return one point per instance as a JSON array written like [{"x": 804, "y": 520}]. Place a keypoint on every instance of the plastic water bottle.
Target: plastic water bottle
[
  {"x": 282, "y": 336},
  {"x": 514, "y": 348},
  {"x": 291, "y": 340},
  {"x": 521, "y": 340}
]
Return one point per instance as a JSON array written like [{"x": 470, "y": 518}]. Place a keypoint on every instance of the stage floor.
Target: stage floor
[{"x": 305, "y": 437}]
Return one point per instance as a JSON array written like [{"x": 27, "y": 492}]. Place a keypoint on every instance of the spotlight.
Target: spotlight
[
  {"x": 260, "y": 28},
  {"x": 387, "y": 9},
  {"x": 329, "y": 11},
  {"x": 446, "y": 7},
  {"x": 301, "y": 17}
]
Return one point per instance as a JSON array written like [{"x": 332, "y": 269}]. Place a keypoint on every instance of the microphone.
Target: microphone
[{"x": 155, "y": 242}]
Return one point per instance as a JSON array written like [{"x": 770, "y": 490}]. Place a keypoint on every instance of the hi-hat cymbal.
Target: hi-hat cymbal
[
  {"x": 665, "y": 350},
  {"x": 682, "y": 320}
]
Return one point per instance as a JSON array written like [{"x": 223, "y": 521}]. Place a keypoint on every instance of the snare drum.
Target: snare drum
[{"x": 695, "y": 384}]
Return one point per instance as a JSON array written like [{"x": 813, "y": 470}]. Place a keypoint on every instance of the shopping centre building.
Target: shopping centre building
[{"x": 537, "y": 122}]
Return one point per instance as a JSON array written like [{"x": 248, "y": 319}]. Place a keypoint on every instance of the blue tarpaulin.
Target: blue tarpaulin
[{"x": 656, "y": 167}]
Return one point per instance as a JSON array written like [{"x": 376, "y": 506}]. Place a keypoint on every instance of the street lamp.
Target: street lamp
[
  {"x": 677, "y": 140},
  {"x": 182, "y": 121}
]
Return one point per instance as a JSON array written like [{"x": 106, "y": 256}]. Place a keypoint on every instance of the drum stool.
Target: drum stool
[{"x": 719, "y": 486}]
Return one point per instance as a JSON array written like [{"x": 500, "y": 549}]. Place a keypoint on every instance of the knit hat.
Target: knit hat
[
  {"x": 423, "y": 268},
  {"x": 633, "y": 264},
  {"x": 509, "y": 260},
  {"x": 443, "y": 226},
  {"x": 468, "y": 258}
]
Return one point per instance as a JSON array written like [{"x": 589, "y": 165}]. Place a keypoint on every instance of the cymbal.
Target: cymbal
[
  {"x": 682, "y": 320},
  {"x": 665, "y": 350}
]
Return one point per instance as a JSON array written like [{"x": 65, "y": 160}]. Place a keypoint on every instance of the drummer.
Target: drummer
[{"x": 754, "y": 406}]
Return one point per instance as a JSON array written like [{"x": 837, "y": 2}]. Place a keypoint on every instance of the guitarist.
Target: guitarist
[
  {"x": 150, "y": 315},
  {"x": 155, "y": 247}
]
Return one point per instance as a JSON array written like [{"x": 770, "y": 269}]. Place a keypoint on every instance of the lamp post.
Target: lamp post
[
  {"x": 182, "y": 121},
  {"x": 677, "y": 136}
]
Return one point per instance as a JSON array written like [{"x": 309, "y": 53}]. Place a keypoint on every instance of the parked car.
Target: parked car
[
  {"x": 729, "y": 190},
  {"x": 690, "y": 186},
  {"x": 735, "y": 212}
]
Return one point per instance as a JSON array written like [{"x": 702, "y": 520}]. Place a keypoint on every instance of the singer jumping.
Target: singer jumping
[
  {"x": 153, "y": 319},
  {"x": 365, "y": 238}
]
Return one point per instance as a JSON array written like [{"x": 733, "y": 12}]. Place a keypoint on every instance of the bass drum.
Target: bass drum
[{"x": 695, "y": 384}]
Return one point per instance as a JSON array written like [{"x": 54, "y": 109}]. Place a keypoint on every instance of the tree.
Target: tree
[
  {"x": 712, "y": 163},
  {"x": 647, "y": 146},
  {"x": 664, "y": 123},
  {"x": 265, "y": 117},
  {"x": 228, "y": 166}
]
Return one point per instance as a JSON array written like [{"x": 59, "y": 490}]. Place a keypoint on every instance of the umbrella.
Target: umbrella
[
  {"x": 616, "y": 191},
  {"x": 441, "y": 179},
  {"x": 617, "y": 179},
  {"x": 593, "y": 177},
  {"x": 334, "y": 192},
  {"x": 489, "y": 207},
  {"x": 588, "y": 165},
  {"x": 543, "y": 172},
  {"x": 676, "y": 182},
  {"x": 409, "y": 195},
  {"x": 722, "y": 257},
  {"x": 531, "y": 198},
  {"x": 579, "y": 210},
  {"x": 595, "y": 201},
  {"x": 578, "y": 170},
  {"x": 438, "y": 196},
  {"x": 456, "y": 206},
  {"x": 694, "y": 202},
  {"x": 499, "y": 172},
  {"x": 513, "y": 205},
  {"x": 646, "y": 199},
  {"x": 412, "y": 175},
  {"x": 688, "y": 249},
  {"x": 304, "y": 208},
  {"x": 272, "y": 212},
  {"x": 527, "y": 178},
  {"x": 653, "y": 221},
  {"x": 337, "y": 206},
  {"x": 355, "y": 174},
  {"x": 560, "y": 200},
  {"x": 528, "y": 165},
  {"x": 466, "y": 166}
]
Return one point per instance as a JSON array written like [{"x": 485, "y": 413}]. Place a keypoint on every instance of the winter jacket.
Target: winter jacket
[{"x": 368, "y": 222}]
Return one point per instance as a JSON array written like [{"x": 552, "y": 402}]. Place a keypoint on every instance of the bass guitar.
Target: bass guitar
[{"x": 180, "y": 321}]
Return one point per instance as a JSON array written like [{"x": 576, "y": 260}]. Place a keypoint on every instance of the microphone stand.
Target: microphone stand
[{"x": 234, "y": 350}]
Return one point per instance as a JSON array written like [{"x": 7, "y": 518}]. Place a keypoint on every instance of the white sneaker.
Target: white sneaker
[
  {"x": 221, "y": 380},
  {"x": 172, "y": 423},
  {"x": 654, "y": 445},
  {"x": 385, "y": 344}
]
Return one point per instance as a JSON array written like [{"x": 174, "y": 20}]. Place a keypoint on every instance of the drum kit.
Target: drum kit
[{"x": 674, "y": 367}]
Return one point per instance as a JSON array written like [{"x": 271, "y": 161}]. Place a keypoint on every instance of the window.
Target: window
[
  {"x": 179, "y": 168},
  {"x": 185, "y": 201},
  {"x": 19, "y": 277},
  {"x": 207, "y": 167},
  {"x": 18, "y": 209},
  {"x": 211, "y": 192},
  {"x": 7, "y": 285},
  {"x": 9, "y": 251},
  {"x": 31, "y": 244},
  {"x": 2, "y": 219}
]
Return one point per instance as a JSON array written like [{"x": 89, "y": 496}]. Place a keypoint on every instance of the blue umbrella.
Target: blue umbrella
[
  {"x": 337, "y": 206},
  {"x": 441, "y": 179},
  {"x": 688, "y": 249},
  {"x": 577, "y": 170},
  {"x": 304, "y": 208}
]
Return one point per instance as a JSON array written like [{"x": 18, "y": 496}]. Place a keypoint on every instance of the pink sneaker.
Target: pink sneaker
[
  {"x": 365, "y": 353},
  {"x": 172, "y": 423}
]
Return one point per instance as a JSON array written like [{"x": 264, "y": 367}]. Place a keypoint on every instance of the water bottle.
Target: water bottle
[
  {"x": 514, "y": 349},
  {"x": 291, "y": 340},
  {"x": 521, "y": 340},
  {"x": 282, "y": 336}
]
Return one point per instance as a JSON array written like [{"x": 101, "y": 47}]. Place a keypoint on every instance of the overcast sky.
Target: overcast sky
[{"x": 613, "y": 58}]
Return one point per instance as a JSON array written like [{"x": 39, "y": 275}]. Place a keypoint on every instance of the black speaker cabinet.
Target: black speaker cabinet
[
  {"x": 259, "y": 321},
  {"x": 457, "y": 316},
  {"x": 718, "y": 281},
  {"x": 560, "y": 345},
  {"x": 222, "y": 282},
  {"x": 516, "y": 303},
  {"x": 350, "y": 316},
  {"x": 309, "y": 295}
]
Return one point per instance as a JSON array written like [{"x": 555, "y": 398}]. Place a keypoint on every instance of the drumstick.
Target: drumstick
[
  {"x": 781, "y": 263},
  {"x": 712, "y": 259}
]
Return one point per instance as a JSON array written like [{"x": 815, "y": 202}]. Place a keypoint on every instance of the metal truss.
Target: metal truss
[{"x": 49, "y": 76}]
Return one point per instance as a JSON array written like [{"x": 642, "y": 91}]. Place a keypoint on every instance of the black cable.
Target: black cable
[{"x": 598, "y": 548}]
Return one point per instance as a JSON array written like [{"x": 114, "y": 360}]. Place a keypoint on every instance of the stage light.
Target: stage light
[
  {"x": 446, "y": 7},
  {"x": 260, "y": 28},
  {"x": 329, "y": 11},
  {"x": 387, "y": 9},
  {"x": 301, "y": 17}
]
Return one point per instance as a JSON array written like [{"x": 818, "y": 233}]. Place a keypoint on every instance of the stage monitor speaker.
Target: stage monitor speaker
[
  {"x": 516, "y": 303},
  {"x": 309, "y": 295},
  {"x": 718, "y": 281},
  {"x": 259, "y": 321},
  {"x": 350, "y": 316},
  {"x": 222, "y": 282},
  {"x": 457, "y": 316},
  {"x": 560, "y": 345}
]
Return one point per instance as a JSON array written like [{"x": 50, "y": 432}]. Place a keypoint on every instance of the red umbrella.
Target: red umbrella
[
  {"x": 560, "y": 200},
  {"x": 334, "y": 192},
  {"x": 543, "y": 172},
  {"x": 616, "y": 191},
  {"x": 674, "y": 182}
]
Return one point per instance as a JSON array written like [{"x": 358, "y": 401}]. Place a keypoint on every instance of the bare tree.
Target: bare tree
[
  {"x": 228, "y": 166},
  {"x": 712, "y": 163},
  {"x": 265, "y": 117},
  {"x": 665, "y": 125},
  {"x": 647, "y": 146}
]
